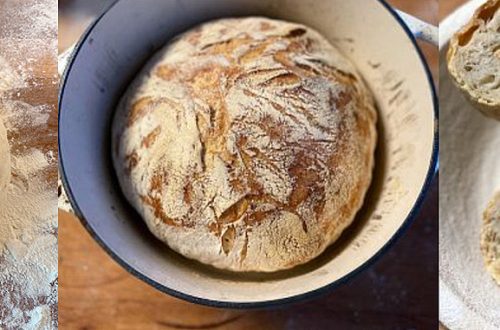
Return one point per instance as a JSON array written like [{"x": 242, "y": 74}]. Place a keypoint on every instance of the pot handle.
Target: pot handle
[{"x": 420, "y": 29}]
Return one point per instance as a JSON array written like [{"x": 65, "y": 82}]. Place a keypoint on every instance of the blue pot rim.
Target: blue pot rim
[{"x": 432, "y": 169}]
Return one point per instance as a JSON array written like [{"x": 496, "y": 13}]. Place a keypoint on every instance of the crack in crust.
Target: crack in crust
[{"x": 265, "y": 128}]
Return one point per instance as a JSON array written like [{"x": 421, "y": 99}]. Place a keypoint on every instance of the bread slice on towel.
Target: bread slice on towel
[{"x": 474, "y": 59}]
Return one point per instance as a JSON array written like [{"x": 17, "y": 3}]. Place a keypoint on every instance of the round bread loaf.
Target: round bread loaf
[
  {"x": 246, "y": 144},
  {"x": 490, "y": 237},
  {"x": 474, "y": 59}
]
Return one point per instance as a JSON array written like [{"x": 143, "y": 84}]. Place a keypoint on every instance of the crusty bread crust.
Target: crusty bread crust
[
  {"x": 490, "y": 237},
  {"x": 474, "y": 59},
  {"x": 246, "y": 144}
]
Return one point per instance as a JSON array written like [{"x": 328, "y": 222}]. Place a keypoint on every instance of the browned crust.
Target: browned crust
[
  {"x": 204, "y": 84},
  {"x": 213, "y": 124}
]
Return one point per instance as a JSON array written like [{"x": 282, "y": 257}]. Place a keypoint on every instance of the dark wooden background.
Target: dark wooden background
[{"x": 399, "y": 291}]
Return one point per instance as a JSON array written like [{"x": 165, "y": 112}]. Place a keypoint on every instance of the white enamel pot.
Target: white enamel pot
[{"x": 115, "y": 47}]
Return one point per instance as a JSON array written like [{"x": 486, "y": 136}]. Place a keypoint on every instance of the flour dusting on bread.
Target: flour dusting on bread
[{"x": 246, "y": 144}]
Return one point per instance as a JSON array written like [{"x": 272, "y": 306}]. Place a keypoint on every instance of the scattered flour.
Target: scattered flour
[
  {"x": 4, "y": 158},
  {"x": 31, "y": 22},
  {"x": 28, "y": 201},
  {"x": 28, "y": 226}
]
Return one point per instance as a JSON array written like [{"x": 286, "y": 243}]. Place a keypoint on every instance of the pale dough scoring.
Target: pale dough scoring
[{"x": 246, "y": 144}]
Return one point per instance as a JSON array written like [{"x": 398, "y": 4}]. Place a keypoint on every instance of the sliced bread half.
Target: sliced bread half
[{"x": 474, "y": 59}]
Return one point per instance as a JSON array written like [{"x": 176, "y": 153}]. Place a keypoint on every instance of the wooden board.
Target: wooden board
[
  {"x": 398, "y": 291},
  {"x": 41, "y": 90},
  {"x": 446, "y": 7},
  {"x": 39, "y": 67}
]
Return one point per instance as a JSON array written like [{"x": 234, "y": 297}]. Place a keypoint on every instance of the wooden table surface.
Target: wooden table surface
[
  {"x": 42, "y": 91},
  {"x": 39, "y": 68},
  {"x": 399, "y": 291}
]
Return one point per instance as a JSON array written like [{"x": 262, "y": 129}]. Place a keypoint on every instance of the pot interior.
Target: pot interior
[{"x": 117, "y": 46}]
